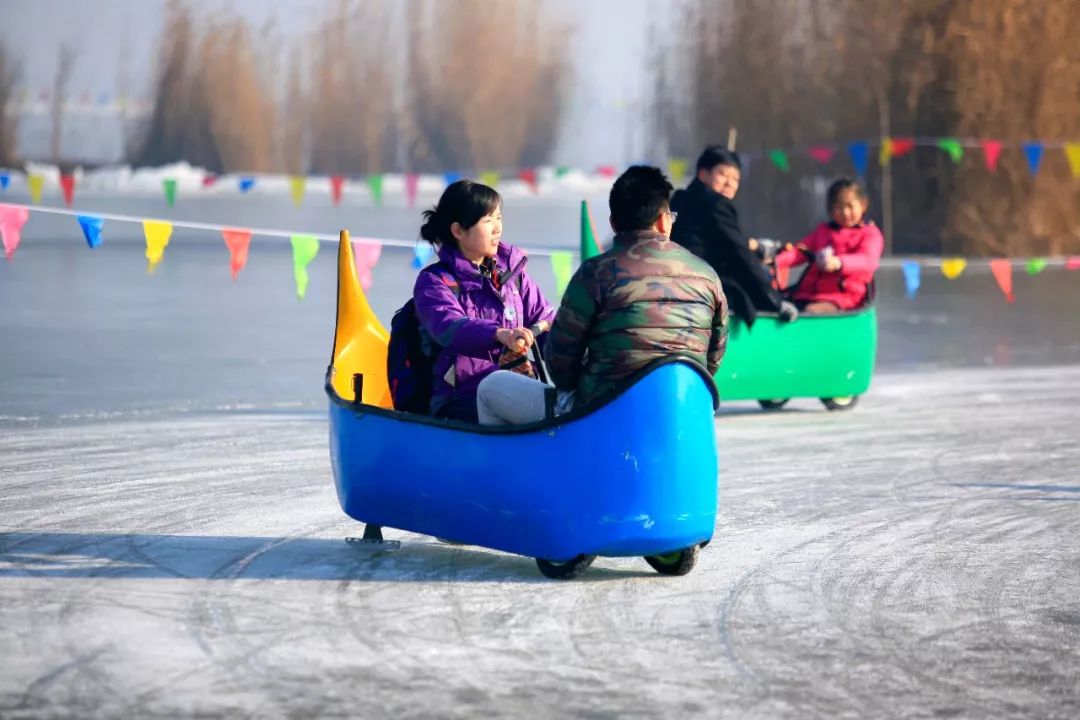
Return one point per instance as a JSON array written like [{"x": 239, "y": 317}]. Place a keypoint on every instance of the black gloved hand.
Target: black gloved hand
[
  {"x": 767, "y": 250},
  {"x": 788, "y": 312}
]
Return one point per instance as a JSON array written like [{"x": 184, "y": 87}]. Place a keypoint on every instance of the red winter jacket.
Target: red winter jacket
[{"x": 859, "y": 249}]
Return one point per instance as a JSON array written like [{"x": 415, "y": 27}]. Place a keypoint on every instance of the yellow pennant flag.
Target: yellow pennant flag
[
  {"x": 562, "y": 264},
  {"x": 35, "y": 183},
  {"x": 676, "y": 169},
  {"x": 157, "y": 237},
  {"x": 885, "y": 154},
  {"x": 1072, "y": 152},
  {"x": 952, "y": 267},
  {"x": 304, "y": 250},
  {"x": 297, "y": 184},
  {"x": 489, "y": 178}
]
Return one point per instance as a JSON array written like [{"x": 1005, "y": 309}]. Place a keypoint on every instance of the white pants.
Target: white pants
[{"x": 509, "y": 398}]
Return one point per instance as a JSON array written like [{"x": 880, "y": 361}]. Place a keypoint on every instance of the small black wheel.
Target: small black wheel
[
  {"x": 840, "y": 403},
  {"x": 679, "y": 562},
  {"x": 773, "y": 404},
  {"x": 565, "y": 570}
]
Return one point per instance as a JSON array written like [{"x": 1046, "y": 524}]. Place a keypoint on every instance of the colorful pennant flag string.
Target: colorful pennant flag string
[
  {"x": 912, "y": 280},
  {"x": 297, "y": 185},
  {"x": 529, "y": 177},
  {"x": 169, "y": 186},
  {"x": 422, "y": 254},
  {"x": 1033, "y": 151},
  {"x": 91, "y": 229},
  {"x": 337, "y": 183},
  {"x": 375, "y": 184},
  {"x": 953, "y": 267},
  {"x": 676, "y": 169},
  {"x": 12, "y": 219},
  {"x": 238, "y": 241},
  {"x": 412, "y": 183},
  {"x": 305, "y": 248},
  {"x": 5, "y": 180},
  {"x": 366, "y": 255},
  {"x": 860, "y": 156},
  {"x": 35, "y": 183},
  {"x": 1003, "y": 274},
  {"x": 780, "y": 160},
  {"x": 157, "y": 235},
  {"x": 245, "y": 184},
  {"x": 952, "y": 148},
  {"x": 489, "y": 178},
  {"x": 1072, "y": 154},
  {"x": 991, "y": 152},
  {"x": 1036, "y": 265},
  {"x": 822, "y": 153},
  {"x": 67, "y": 187}
]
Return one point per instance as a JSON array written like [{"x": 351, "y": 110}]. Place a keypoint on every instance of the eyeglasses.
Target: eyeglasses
[{"x": 673, "y": 215}]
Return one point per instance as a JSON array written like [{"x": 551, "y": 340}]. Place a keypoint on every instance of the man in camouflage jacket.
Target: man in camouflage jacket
[{"x": 644, "y": 299}]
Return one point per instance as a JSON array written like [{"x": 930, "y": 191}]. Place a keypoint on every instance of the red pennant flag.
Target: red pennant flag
[
  {"x": 67, "y": 185},
  {"x": 902, "y": 146},
  {"x": 1002, "y": 269},
  {"x": 822, "y": 153},
  {"x": 412, "y": 181},
  {"x": 238, "y": 242},
  {"x": 1072, "y": 263},
  {"x": 991, "y": 149},
  {"x": 529, "y": 176},
  {"x": 336, "y": 183},
  {"x": 209, "y": 180},
  {"x": 606, "y": 171}
]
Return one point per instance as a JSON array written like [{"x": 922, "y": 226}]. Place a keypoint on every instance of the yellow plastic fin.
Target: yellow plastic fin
[{"x": 360, "y": 340}]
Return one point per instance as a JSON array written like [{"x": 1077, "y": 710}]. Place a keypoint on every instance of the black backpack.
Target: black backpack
[{"x": 409, "y": 359}]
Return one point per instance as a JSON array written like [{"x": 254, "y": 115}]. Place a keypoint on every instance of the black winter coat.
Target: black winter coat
[{"x": 708, "y": 226}]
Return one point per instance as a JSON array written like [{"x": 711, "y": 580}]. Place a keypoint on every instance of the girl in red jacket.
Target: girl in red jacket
[{"x": 844, "y": 254}]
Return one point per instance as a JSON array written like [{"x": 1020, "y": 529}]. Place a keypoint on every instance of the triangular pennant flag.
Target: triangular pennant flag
[
  {"x": 157, "y": 235},
  {"x": 1033, "y": 151},
  {"x": 91, "y": 229},
  {"x": 12, "y": 220},
  {"x": 886, "y": 152},
  {"x": 1036, "y": 266},
  {"x": 246, "y": 183},
  {"x": 238, "y": 241},
  {"x": 169, "y": 186},
  {"x": 209, "y": 179},
  {"x": 35, "y": 183},
  {"x": 337, "y": 182},
  {"x": 912, "y": 277},
  {"x": 607, "y": 171},
  {"x": 421, "y": 255},
  {"x": 860, "y": 156},
  {"x": 451, "y": 177},
  {"x": 589, "y": 246},
  {"x": 902, "y": 146},
  {"x": 529, "y": 176},
  {"x": 953, "y": 148},
  {"x": 304, "y": 250},
  {"x": 952, "y": 267},
  {"x": 67, "y": 186},
  {"x": 1072, "y": 154},
  {"x": 780, "y": 159},
  {"x": 1072, "y": 263},
  {"x": 1003, "y": 272},
  {"x": 297, "y": 185},
  {"x": 991, "y": 151},
  {"x": 677, "y": 168},
  {"x": 822, "y": 153},
  {"x": 562, "y": 264},
  {"x": 374, "y": 182},
  {"x": 412, "y": 183},
  {"x": 489, "y": 178},
  {"x": 561, "y": 170},
  {"x": 5, "y": 180},
  {"x": 366, "y": 253}
]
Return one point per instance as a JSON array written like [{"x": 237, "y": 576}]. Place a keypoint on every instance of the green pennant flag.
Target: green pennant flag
[
  {"x": 779, "y": 159},
  {"x": 304, "y": 250},
  {"x": 562, "y": 264},
  {"x": 561, "y": 170},
  {"x": 375, "y": 184},
  {"x": 169, "y": 186},
  {"x": 589, "y": 246},
  {"x": 953, "y": 147},
  {"x": 1036, "y": 266}
]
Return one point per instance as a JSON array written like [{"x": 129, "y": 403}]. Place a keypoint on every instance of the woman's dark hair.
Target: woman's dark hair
[
  {"x": 840, "y": 186},
  {"x": 464, "y": 202},
  {"x": 638, "y": 197},
  {"x": 717, "y": 155}
]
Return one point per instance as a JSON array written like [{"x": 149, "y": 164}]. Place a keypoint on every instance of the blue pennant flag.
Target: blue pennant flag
[
  {"x": 91, "y": 228},
  {"x": 246, "y": 183},
  {"x": 5, "y": 180},
  {"x": 912, "y": 271},
  {"x": 451, "y": 177},
  {"x": 860, "y": 154},
  {"x": 1034, "y": 152},
  {"x": 421, "y": 255}
]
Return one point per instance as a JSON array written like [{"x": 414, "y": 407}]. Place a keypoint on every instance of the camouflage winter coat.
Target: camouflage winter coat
[{"x": 644, "y": 299}]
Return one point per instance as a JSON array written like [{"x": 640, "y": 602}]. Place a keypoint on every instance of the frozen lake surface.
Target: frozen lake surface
[{"x": 171, "y": 545}]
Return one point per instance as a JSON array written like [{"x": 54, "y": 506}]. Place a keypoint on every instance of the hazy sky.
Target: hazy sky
[{"x": 610, "y": 51}]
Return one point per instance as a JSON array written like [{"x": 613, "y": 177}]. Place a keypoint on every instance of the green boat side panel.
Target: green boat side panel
[{"x": 819, "y": 356}]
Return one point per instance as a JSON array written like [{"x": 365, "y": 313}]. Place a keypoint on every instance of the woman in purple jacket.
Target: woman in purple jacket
[{"x": 477, "y": 300}]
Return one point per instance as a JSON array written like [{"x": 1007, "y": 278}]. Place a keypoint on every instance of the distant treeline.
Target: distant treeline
[{"x": 792, "y": 73}]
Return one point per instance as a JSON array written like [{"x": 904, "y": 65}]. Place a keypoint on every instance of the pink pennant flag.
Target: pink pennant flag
[
  {"x": 822, "y": 153},
  {"x": 238, "y": 242},
  {"x": 67, "y": 185},
  {"x": 1003, "y": 271},
  {"x": 367, "y": 254},
  {"x": 412, "y": 181},
  {"x": 607, "y": 171},
  {"x": 337, "y": 182},
  {"x": 209, "y": 180},
  {"x": 12, "y": 220},
  {"x": 991, "y": 149},
  {"x": 1072, "y": 263}
]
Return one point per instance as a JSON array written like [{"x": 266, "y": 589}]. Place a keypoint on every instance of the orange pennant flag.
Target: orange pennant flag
[
  {"x": 1003, "y": 272},
  {"x": 238, "y": 242}
]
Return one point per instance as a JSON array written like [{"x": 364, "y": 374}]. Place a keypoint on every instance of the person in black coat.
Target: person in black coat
[{"x": 708, "y": 226}]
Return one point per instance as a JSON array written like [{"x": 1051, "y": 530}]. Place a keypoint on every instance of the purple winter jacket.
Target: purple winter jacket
[{"x": 464, "y": 324}]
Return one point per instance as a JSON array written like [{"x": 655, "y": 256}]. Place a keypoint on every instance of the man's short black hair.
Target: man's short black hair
[
  {"x": 717, "y": 155},
  {"x": 638, "y": 197}
]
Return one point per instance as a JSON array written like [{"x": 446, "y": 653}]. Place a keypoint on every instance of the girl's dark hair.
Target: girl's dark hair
[
  {"x": 840, "y": 186},
  {"x": 463, "y": 202}
]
